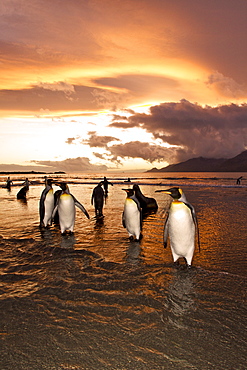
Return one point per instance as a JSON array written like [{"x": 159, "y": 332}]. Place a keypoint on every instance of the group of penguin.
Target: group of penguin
[{"x": 180, "y": 222}]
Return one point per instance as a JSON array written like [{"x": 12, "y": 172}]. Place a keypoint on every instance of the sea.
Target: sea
[{"x": 95, "y": 300}]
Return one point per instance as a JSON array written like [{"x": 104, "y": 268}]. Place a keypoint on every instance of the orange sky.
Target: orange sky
[{"x": 76, "y": 71}]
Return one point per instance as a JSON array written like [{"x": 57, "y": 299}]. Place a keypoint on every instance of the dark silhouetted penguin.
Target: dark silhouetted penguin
[
  {"x": 148, "y": 205},
  {"x": 22, "y": 194},
  {"x": 98, "y": 200}
]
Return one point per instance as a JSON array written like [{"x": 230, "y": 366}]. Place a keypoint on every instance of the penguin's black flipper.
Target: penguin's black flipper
[
  {"x": 193, "y": 213},
  {"x": 166, "y": 230},
  {"x": 123, "y": 221},
  {"x": 54, "y": 211},
  {"x": 42, "y": 206},
  {"x": 82, "y": 208}
]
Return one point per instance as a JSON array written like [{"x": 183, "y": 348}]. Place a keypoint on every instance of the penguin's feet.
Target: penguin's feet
[
  {"x": 189, "y": 267},
  {"x": 176, "y": 264},
  {"x": 69, "y": 232}
]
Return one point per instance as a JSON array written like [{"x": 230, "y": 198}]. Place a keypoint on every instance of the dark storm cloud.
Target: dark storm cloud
[
  {"x": 197, "y": 131},
  {"x": 120, "y": 121},
  {"x": 138, "y": 149}
]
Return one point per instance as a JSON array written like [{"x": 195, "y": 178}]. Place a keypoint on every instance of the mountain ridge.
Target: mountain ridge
[{"x": 201, "y": 164}]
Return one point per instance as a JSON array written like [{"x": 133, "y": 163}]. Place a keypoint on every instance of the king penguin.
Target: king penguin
[
  {"x": 131, "y": 217},
  {"x": 181, "y": 226},
  {"x": 46, "y": 204},
  {"x": 148, "y": 205},
  {"x": 65, "y": 206},
  {"x": 22, "y": 194},
  {"x": 98, "y": 199}
]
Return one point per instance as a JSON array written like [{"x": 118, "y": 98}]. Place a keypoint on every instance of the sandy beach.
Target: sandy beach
[{"x": 96, "y": 300}]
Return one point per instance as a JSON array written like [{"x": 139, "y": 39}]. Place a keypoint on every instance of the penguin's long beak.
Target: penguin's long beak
[{"x": 163, "y": 191}]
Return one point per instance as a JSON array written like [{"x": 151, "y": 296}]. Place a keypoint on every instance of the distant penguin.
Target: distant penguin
[
  {"x": 147, "y": 204},
  {"x": 9, "y": 183},
  {"x": 98, "y": 200},
  {"x": 65, "y": 205},
  {"x": 105, "y": 184},
  {"x": 26, "y": 183},
  {"x": 22, "y": 194},
  {"x": 181, "y": 226},
  {"x": 46, "y": 204},
  {"x": 131, "y": 217}
]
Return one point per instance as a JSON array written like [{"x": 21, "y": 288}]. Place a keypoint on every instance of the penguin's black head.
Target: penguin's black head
[
  {"x": 129, "y": 192},
  {"x": 49, "y": 182},
  {"x": 136, "y": 187},
  {"x": 175, "y": 193},
  {"x": 62, "y": 185}
]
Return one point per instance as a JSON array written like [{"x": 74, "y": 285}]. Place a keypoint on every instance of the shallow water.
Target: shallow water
[{"x": 95, "y": 300}]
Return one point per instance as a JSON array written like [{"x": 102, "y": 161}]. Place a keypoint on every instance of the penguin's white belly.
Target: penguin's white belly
[
  {"x": 132, "y": 218},
  {"x": 181, "y": 230},
  {"x": 66, "y": 212},
  {"x": 49, "y": 206}
]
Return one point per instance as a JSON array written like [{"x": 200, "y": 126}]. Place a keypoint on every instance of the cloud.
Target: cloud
[
  {"x": 226, "y": 86},
  {"x": 55, "y": 97},
  {"x": 138, "y": 149},
  {"x": 139, "y": 84},
  {"x": 197, "y": 131},
  {"x": 106, "y": 99},
  {"x": 120, "y": 121},
  {"x": 80, "y": 164},
  {"x": 70, "y": 140},
  {"x": 68, "y": 89},
  {"x": 95, "y": 140},
  {"x": 22, "y": 168}
]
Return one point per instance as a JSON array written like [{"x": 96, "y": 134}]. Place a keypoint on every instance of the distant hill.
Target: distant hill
[
  {"x": 29, "y": 173},
  {"x": 200, "y": 164}
]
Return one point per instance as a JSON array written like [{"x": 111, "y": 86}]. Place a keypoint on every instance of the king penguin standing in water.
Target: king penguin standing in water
[
  {"x": 98, "y": 200},
  {"x": 132, "y": 215},
  {"x": 46, "y": 204},
  {"x": 65, "y": 206},
  {"x": 181, "y": 226}
]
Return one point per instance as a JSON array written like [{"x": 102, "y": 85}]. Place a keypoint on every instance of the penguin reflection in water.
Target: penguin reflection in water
[
  {"x": 131, "y": 217},
  {"x": 65, "y": 206},
  {"x": 46, "y": 204},
  {"x": 181, "y": 226}
]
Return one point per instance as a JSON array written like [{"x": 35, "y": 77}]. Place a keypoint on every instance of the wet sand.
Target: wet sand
[{"x": 96, "y": 300}]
